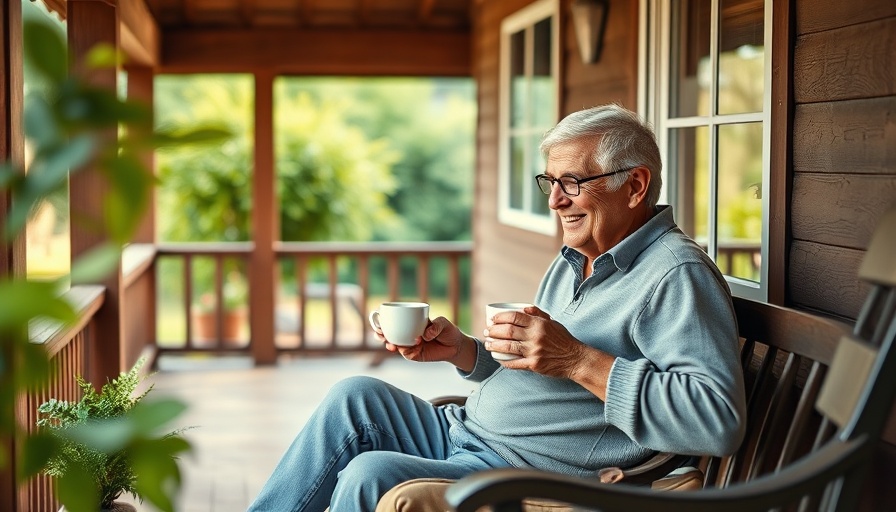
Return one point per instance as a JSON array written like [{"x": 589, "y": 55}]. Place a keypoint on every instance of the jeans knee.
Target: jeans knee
[{"x": 365, "y": 479}]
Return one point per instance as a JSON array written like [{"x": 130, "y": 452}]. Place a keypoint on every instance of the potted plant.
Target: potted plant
[
  {"x": 233, "y": 310},
  {"x": 112, "y": 472}
]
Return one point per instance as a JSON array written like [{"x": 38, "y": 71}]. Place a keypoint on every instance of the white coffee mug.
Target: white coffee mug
[
  {"x": 499, "y": 307},
  {"x": 401, "y": 322}
]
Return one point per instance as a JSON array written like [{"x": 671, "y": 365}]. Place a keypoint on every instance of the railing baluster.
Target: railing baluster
[
  {"x": 219, "y": 301},
  {"x": 333, "y": 272},
  {"x": 393, "y": 277},
  {"x": 302, "y": 294},
  {"x": 454, "y": 286},
  {"x": 188, "y": 298},
  {"x": 364, "y": 283},
  {"x": 423, "y": 278}
]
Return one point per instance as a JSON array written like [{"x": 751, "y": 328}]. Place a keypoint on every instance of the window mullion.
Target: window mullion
[{"x": 713, "y": 207}]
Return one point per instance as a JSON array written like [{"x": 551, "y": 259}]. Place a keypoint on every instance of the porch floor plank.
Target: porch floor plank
[{"x": 243, "y": 418}]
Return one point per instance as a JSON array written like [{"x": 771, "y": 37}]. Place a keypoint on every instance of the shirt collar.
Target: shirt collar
[{"x": 625, "y": 252}]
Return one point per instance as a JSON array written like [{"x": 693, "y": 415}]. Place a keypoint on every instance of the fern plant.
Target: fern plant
[{"x": 112, "y": 473}]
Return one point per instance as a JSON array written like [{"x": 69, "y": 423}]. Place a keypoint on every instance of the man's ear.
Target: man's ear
[{"x": 638, "y": 182}]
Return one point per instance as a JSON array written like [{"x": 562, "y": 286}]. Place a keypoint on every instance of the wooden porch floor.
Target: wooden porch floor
[{"x": 245, "y": 417}]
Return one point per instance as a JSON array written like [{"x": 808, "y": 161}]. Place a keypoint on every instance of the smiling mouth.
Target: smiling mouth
[{"x": 568, "y": 219}]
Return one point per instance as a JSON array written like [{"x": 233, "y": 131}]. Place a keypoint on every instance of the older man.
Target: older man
[{"x": 631, "y": 348}]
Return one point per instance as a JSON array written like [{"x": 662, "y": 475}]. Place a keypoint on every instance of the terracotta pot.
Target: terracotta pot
[{"x": 206, "y": 328}]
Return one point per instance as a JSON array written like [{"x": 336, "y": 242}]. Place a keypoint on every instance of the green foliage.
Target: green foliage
[
  {"x": 430, "y": 123},
  {"x": 332, "y": 181},
  {"x": 70, "y": 124},
  {"x": 109, "y": 466}
]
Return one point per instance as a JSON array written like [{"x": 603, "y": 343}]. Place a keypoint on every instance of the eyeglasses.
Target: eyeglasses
[{"x": 568, "y": 184}]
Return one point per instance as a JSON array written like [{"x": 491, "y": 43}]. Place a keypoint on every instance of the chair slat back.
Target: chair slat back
[{"x": 785, "y": 355}]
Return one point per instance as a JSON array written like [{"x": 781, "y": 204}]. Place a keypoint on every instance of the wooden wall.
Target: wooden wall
[
  {"x": 508, "y": 262},
  {"x": 844, "y": 146}
]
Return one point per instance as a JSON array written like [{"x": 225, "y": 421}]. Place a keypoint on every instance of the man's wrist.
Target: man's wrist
[{"x": 466, "y": 355}]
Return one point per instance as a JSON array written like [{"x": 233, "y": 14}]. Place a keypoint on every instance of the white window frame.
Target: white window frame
[
  {"x": 653, "y": 104},
  {"x": 524, "y": 19}
]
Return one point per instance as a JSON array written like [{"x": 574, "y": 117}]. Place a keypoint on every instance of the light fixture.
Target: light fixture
[{"x": 589, "y": 18}]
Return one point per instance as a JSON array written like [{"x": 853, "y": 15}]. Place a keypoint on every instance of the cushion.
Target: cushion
[{"x": 428, "y": 494}]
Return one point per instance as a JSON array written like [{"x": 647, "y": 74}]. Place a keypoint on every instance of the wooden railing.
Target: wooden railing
[
  {"x": 70, "y": 351},
  {"x": 330, "y": 280}
]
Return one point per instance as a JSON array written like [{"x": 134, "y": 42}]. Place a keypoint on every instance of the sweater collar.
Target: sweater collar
[{"x": 625, "y": 252}]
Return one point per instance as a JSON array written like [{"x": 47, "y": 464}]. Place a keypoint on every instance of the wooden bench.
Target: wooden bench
[{"x": 818, "y": 400}]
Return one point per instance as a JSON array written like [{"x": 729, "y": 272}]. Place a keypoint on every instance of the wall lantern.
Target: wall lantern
[{"x": 589, "y": 18}]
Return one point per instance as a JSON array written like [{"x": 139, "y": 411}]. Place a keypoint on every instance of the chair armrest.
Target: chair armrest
[{"x": 505, "y": 488}]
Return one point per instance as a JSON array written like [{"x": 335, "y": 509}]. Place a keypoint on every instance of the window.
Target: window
[
  {"x": 706, "y": 90},
  {"x": 529, "y": 71}
]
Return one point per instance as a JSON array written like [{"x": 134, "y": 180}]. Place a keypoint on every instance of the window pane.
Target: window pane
[
  {"x": 539, "y": 200},
  {"x": 689, "y": 59},
  {"x": 47, "y": 233},
  {"x": 740, "y": 200},
  {"x": 741, "y": 58},
  {"x": 517, "y": 79},
  {"x": 543, "y": 96},
  {"x": 687, "y": 156},
  {"x": 517, "y": 171}
]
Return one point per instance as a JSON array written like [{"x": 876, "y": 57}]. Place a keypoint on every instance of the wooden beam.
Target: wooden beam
[
  {"x": 318, "y": 52},
  {"x": 139, "y": 34}
]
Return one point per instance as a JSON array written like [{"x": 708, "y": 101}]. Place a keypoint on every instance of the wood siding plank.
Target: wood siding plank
[
  {"x": 815, "y": 18},
  {"x": 825, "y": 279},
  {"x": 855, "y": 136},
  {"x": 840, "y": 210},
  {"x": 858, "y": 61}
]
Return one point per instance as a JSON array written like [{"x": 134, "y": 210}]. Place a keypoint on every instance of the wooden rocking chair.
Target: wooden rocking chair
[{"x": 842, "y": 391}]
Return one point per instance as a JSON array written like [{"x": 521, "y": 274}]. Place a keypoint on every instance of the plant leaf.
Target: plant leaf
[
  {"x": 20, "y": 301},
  {"x": 103, "y": 55},
  {"x": 95, "y": 264},
  {"x": 165, "y": 138},
  {"x": 77, "y": 490},
  {"x": 37, "y": 449},
  {"x": 45, "y": 50}
]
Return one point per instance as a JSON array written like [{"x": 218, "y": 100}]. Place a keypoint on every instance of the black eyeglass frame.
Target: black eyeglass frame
[{"x": 539, "y": 179}]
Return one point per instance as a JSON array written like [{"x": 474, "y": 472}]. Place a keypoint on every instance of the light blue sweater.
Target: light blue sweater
[{"x": 659, "y": 304}]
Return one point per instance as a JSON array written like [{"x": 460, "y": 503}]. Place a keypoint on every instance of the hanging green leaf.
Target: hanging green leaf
[
  {"x": 168, "y": 138},
  {"x": 45, "y": 50},
  {"x": 77, "y": 490},
  {"x": 103, "y": 55},
  {"x": 95, "y": 264},
  {"x": 40, "y": 123},
  {"x": 20, "y": 301},
  {"x": 37, "y": 450}
]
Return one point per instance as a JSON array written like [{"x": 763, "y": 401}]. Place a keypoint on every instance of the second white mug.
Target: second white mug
[{"x": 497, "y": 307}]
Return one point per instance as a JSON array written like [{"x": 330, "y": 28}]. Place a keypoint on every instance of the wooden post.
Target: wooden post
[
  {"x": 91, "y": 22},
  {"x": 12, "y": 148},
  {"x": 264, "y": 224},
  {"x": 140, "y": 88}
]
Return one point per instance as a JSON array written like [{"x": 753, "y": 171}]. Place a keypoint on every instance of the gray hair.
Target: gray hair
[{"x": 622, "y": 141}]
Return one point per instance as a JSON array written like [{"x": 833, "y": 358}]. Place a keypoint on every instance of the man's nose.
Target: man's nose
[{"x": 557, "y": 198}]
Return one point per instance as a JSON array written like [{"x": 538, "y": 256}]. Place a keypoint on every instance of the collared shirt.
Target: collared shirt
[{"x": 658, "y": 303}]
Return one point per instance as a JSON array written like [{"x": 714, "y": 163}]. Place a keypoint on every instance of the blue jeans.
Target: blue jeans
[{"x": 366, "y": 437}]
